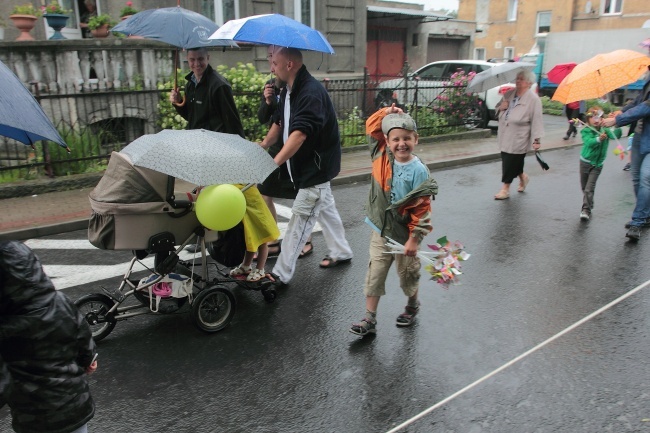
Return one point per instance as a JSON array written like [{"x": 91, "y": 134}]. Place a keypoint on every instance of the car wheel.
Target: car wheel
[
  {"x": 477, "y": 116},
  {"x": 384, "y": 99}
]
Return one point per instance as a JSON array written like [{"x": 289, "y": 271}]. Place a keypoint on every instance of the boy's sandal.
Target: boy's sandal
[
  {"x": 329, "y": 262},
  {"x": 306, "y": 250},
  {"x": 364, "y": 327},
  {"x": 256, "y": 275},
  {"x": 408, "y": 316},
  {"x": 240, "y": 270}
]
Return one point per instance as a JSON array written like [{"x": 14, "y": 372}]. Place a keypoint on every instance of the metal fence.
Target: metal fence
[{"x": 94, "y": 123}]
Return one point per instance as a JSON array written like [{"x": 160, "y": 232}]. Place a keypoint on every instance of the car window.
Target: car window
[
  {"x": 433, "y": 72},
  {"x": 481, "y": 68},
  {"x": 455, "y": 67}
]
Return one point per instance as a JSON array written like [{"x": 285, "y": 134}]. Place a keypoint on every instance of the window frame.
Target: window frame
[
  {"x": 509, "y": 53},
  {"x": 537, "y": 23},
  {"x": 297, "y": 12},
  {"x": 478, "y": 56},
  {"x": 613, "y": 4},
  {"x": 218, "y": 12},
  {"x": 512, "y": 10}
]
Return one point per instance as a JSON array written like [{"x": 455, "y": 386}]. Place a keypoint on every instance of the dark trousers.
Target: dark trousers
[
  {"x": 570, "y": 115},
  {"x": 588, "y": 177}
]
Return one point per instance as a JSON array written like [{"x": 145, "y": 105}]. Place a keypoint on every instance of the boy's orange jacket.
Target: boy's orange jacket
[{"x": 410, "y": 216}]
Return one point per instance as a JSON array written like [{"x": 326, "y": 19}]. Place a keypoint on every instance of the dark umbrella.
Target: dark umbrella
[
  {"x": 543, "y": 164},
  {"x": 175, "y": 26},
  {"x": 21, "y": 116}
]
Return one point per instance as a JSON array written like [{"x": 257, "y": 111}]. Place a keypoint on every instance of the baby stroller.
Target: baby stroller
[{"x": 134, "y": 208}]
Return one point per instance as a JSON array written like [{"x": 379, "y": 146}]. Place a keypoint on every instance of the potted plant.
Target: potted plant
[
  {"x": 24, "y": 18},
  {"x": 128, "y": 10},
  {"x": 56, "y": 17},
  {"x": 100, "y": 24}
]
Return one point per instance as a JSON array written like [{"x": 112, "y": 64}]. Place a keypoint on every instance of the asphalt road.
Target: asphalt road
[{"x": 292, "y": 366}]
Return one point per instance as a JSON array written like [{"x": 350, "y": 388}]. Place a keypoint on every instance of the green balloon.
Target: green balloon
[{"x": 220, "y": 207}]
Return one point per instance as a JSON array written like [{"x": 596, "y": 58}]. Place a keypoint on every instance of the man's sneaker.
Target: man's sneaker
[
  {"x": 627, "y": 167},
  {"x": 364, "y": 327},
  {"x": 645, "y": 224},
  {"x": 584, "y": 215},
  {"x": 634, "y": 233}
]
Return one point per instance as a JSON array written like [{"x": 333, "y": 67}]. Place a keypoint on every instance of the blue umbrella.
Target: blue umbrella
[
  {"x": 21, "y": 116},
  {"x": 273, "y": 29},
  {"x": 175, "y": 26}
]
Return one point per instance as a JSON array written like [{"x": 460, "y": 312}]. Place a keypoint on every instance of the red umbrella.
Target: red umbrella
[{"x": 558, "y": 72}]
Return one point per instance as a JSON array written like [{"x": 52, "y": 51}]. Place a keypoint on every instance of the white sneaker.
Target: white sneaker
[{"x": 584, "y": 216}]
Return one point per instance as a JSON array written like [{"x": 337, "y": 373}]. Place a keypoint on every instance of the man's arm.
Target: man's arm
[
  {"x": 229, "y": 115},
  {"x": 293, "y": 143},
  {"x": 272, "y": 136}
]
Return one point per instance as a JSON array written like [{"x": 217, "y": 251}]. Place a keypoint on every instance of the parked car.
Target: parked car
[{"x": 425, "y": 85}]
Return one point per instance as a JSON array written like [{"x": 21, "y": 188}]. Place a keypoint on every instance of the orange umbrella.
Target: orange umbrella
[{"x": 601, "y": 74}]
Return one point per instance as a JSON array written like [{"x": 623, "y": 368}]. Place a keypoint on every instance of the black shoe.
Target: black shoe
[
  {"x": 627, "y": 167},
  {"x": 634, "y": 233},
  {"x": 566, "y": 137},
  {"x": 644, "y": 225}
]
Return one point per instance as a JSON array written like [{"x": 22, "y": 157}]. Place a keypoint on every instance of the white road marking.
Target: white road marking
[{"x": 65, "y": 276}]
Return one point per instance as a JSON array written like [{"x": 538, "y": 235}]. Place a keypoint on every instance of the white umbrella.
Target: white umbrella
[
  {"x": 498, "y": 75},
  {"x": 201, "y": 157}
]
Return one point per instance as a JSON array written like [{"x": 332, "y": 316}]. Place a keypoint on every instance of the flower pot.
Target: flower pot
[
  {"x": 24, "y": 23},
  {"x": 100, "y": 32},
  {"x": 56, "y": 22}
]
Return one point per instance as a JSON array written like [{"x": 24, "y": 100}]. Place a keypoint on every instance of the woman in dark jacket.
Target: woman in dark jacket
[{"x": 46, "y": 347}]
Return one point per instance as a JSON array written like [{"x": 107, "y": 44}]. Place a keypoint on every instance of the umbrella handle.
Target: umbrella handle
[{"x": 179, "y": 104}]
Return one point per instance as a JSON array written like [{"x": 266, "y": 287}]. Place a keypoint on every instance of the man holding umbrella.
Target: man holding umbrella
[
  {"x": 306, "y": 124},
  {"x": 640, "y": 163},
  {"x": 208, "y": 102}
]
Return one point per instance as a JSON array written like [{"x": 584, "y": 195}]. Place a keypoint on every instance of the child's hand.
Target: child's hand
[
  {"x": 411, "y": 247},
  {"x": 393, "y": 109},
  {"x": 602, "y": 136},
  {"x": 91, "y": 368}
]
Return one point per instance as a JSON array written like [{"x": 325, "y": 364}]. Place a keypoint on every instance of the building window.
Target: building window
[
  {"x": 512, "y": 10},
  {"x": 509, "y": 53},
  {"x": 479, "y": 53},
  {"x": 543, "y": 22},
  {"x": 304, "y": 12},
  {"x": 220, "y": 10},
  {"x": 612, "y": 7}
]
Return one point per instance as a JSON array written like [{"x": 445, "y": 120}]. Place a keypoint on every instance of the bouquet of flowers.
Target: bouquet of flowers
[
  {"x": 443, "y": 262},
  {"x": 54, "y": 8}
]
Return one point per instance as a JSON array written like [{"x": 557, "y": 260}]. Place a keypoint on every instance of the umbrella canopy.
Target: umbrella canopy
[
  {"x": 175, "y": 26},
  {"x": 201, "y": 157},
  {"x": 498, "y": 75},
  {"x": 559, "y": 72},
  {"x": 601, "y": 74},
  {"x": 21, "y": 116},
  {"x": 274, "y": 29}
]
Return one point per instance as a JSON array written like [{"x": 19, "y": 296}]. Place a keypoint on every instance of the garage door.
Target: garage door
[{"x": 443, "y": 49}]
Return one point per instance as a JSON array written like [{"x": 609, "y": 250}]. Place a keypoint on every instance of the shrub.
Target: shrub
[
  {"x": 97, "y": 21},
  {"x": 353, "y": 129}
]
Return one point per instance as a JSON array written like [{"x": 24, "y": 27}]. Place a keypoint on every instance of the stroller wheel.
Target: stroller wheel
[
  {"x": 213, "y": 308},
  {"x": 94, "y": 308}
]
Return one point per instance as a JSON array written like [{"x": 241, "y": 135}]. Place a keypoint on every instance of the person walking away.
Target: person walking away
[
  {"x": 306, "y": 125},
  {"x": 209, "y": 103},
  {"x": 259, "y": 229},
  {"x": 640, "y": 163},
  {"x": 520, "y": 124},
  {"x": 46, "y": 349},
  {"x": 398, "y": 207},
  {"x": 595, "y": 142},
  {"x": 573, "y": 110},
  {"x": 630, "y": 135},
  {"x": 277, "y": 184}
]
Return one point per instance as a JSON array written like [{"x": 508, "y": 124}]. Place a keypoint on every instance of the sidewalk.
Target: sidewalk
[{"x": 59, "y": 212}]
